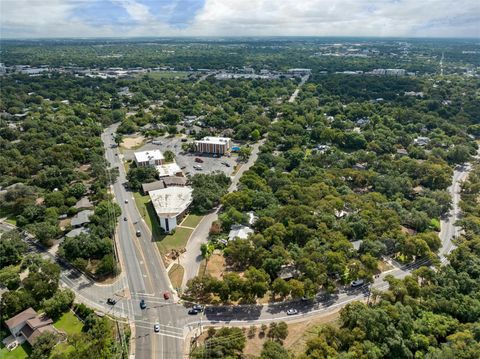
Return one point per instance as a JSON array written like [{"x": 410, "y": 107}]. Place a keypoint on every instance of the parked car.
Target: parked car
[
  {"x": 225, "y": 164},
  {"x": 183, "y": 167},
  {"x": 199, "y": 160},
  {"x": 138, "y": 233},
  {"x": 124, "y": 218},
  {"x": 143, "y": 305},
  {"x": 198, "y": 307},
  {"x": 156, "y": 328},
  {"x": 292, "y": 312},
  {"x": 111, "y": 301},
  {"x": 166, "y": 295},
  {"x": 357, "y": 283},
  {"x": 184, "y": 140},
  {"x": 193, "y": 312}
]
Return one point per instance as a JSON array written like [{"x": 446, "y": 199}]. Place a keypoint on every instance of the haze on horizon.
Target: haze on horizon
[{"x": 159, "y": 18}]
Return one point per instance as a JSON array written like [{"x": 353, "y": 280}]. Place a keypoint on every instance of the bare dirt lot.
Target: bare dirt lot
[{"x": 132, "y": 142}]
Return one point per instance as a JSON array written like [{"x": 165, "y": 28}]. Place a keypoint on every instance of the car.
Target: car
[
  {"x": 124, "y": 218},
  {"x": 198, "y": 307},
  {"x": 116, "y": 154},
  {"x": 184, "y": 140},
  {"x": 193, "y": 312},
  {"x": 166, "y": 295},
  {"x": 292, "y": 312},
  {"x": 199, "y": 160},
  {"x": 156, "y": 328},
  {"x": 138, "y": 233},
  {"x": 226, "y": 164},
  {"x": 183, "y": 167},
  {"x": 126, "y": 201},
  {"x": 111, "y": 301},
  {"x": 143, "y": 305},
  {"x": 357, "y": 283}
]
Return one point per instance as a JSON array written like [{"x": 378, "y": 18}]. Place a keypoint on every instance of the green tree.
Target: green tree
[
  {"x": 43, "y": 346},
  {"x": 273, "y": 350}
]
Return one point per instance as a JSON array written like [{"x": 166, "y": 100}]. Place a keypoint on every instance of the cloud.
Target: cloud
[{"x": 90, "y": 18}]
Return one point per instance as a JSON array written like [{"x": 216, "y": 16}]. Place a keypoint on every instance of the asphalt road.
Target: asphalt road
[{"x": 144, "y": 276}]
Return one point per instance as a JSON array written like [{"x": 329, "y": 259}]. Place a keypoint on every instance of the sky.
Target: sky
[{"x": 159, "y": 18}]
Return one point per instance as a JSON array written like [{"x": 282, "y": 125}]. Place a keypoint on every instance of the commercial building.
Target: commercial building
[
  {"x": 149, "y": 158},
  {"x": 169, "y": 169},
  {"x": 215, "y": 145},
  {"x": 164, "y": 182},
  {"x": 171, "y": 204}
]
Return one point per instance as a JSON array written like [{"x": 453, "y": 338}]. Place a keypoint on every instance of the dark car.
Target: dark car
[
  {"x": 199, "y": 160},
  {"x": 124, "y": 218},
  {"x": 143, "y": 305},
  {"x": 198, "y": 307},
  {"x": 184, "y": 140},
  {"x": 111, "y": 301},
  {"x": 166, "y": 295},
  {"x": 193, "y": 312},
  {"x": 138, "y": 233}
]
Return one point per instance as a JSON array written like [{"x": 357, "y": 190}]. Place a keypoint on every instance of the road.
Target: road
[
  {"x": 144, "y": 275},
  {"x": 144, "y": 268},
  {"x": 191, "y": 259}
]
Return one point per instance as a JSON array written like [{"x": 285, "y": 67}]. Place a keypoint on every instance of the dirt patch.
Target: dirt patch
[
  {"x": 64, "y": 223},
  {"x": 216, "y": 265},
  {"x": 298, "y": 334},
  {"x": 39, "y": 201},
  {"x": 132, "y": 142},
  {"x": 384, "y": 266},
  {"x": 84, "y": 168}
]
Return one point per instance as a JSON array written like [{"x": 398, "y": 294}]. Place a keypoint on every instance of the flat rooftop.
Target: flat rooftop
[
  {"x": 146, "y": 156},
  {"x": 171, "y": 201},
  {"x": 215, "y": 140},
  {"x": 168, "y": 169}
]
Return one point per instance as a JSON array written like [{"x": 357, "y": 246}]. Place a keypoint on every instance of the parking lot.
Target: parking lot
[{"x": 187, "y": 161}]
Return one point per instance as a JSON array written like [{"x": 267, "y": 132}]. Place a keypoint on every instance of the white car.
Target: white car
[
  {"x": 126, "y": 201},
  {"x": 292, "y": 312},
  {"x": 156, "y": 328}
]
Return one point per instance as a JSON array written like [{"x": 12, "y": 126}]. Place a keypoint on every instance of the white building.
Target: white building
[
  {"x": 217, "y": 145},
  {"x": 169, "y": 170},
  {"x": 239, "y": 231},
  {"x": 149, "y": 158},
  {"x": 170, "y": 205}
]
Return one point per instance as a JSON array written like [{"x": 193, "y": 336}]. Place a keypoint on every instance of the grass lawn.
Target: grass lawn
[
  {"x": 192, "y": 220},
  {"x": 20, "y": 352},
  {"x": 9, "y": 217},
  {"x": 69, "y": 323},
  {"x": 177, "y": 240},
  {"x": 147, "y": 211},
  {"x": 176, "y": 275}
]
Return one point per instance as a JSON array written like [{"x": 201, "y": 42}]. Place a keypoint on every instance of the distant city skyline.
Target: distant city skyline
[{"x": 158, "y": 18}]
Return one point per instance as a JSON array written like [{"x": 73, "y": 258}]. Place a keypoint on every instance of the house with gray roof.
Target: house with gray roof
[{"x": 81, "y": 218}]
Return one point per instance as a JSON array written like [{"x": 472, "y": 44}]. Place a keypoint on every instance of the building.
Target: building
[
  {"x": 81, "y": 218},
  {"x": 76, "y": 232},
  {"x": 149, "y": 158},
  {"x": 28, "y": 325},
  {"x": 239, "y": 231},
  {"x": 216, "y": 145},
  {"x": 421, "y": 141},
  {"x": 171, "y": 204},
  {"x": 164, "y": 182},
  {"x": 169, "y": 169}
]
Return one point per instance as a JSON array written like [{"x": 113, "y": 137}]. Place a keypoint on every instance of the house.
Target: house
[
  {"x": 216, "y": 145},
  {"x": 360, "y": 166},
  {"x": 81, "y": 218},
  {"x": 83, "y": 202},
  {"x": 239, "y": 231},
  {"x": 171, "y": 204},
  {"x": 28, "y": 325},
  {"x": 169, "y": 170},
  {"x": 402, "y": 152},
  {"x": 76, "y": 232},
  {"x": 421, "y": 141},
  {"x": 288, "y": 271},
  {"x": 149, "y": 158}
]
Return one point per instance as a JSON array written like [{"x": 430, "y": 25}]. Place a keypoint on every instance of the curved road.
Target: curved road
[{"x": 144, "y": 277}]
